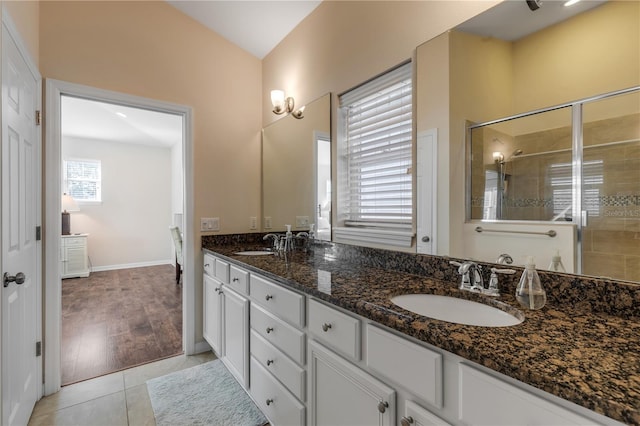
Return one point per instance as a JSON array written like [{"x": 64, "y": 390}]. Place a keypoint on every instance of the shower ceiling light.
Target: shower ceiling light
[{"x": 571, "y": 3}]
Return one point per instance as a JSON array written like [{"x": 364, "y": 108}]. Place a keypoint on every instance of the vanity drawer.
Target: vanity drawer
[
  {"x": 336, "y": 329},
  {"x": 74, "y": 241},
  {"x": 274, "y": 361},
  {"x": 222, "y": 270},
  {"x": 288, "y": 339},
  {"x": 408, "y": 364},
  {"x": 209, "y": 265},
  {"x": 283, "y": 303},
  {"x": 280, "y": 407},
  {"x": 239, "y": 280}
]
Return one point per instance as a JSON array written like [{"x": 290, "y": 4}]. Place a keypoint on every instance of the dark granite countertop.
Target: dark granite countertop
[{"x": 585, "y": 356}]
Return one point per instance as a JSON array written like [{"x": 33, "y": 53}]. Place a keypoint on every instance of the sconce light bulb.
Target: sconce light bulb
[
  {"x": 299, "y": 113},
  {"x": 498, "y": 156},
  {"x": 277, "y": 100}
]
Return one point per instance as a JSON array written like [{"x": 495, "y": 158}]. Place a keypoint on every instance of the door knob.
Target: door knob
[{"x": 17, "y": 278}]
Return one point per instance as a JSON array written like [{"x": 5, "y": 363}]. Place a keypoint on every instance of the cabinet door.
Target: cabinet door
[
  {"x": 236, "y": 335},
  {"x": 212, "y": 313},
  {"x": 342, "y": 394}
]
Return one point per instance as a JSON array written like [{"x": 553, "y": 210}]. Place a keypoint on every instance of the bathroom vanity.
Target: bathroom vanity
[{"x": 315, "y": 339}]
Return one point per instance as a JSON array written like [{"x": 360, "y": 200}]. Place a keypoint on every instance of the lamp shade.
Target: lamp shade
[
  {"x": 277, "y": 99},
  {"x": 69, "y": 204}
]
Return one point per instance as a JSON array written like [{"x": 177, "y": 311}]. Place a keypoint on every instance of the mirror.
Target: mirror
[
  {"x": 521, "y": 169},
  {"x": 296, "y": 171}
]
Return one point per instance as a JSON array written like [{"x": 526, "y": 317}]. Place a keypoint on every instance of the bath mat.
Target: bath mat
[{"x": 203, "y": 395}]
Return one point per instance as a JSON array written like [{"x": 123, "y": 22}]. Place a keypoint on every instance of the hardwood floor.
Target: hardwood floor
[{"x": 115, "y": 320}]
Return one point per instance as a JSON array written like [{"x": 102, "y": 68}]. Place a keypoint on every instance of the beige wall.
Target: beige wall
[
  {"x": 25, "y": 16},
  {"x": 344, "y": 43},
  {"x": 152, "y": 50}
]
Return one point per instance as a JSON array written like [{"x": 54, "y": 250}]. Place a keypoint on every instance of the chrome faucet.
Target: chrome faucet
[
  {"x": 504, "y": 258},
  {"x": 471, "y": 276},
  {"x": 494, "y": 289},
  {"x": 275, "y": 240}
]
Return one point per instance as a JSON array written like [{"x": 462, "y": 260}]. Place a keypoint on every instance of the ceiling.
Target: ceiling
[
  {"x": 255, "y": 26},
  {"x": 90, "y": 119},
  {"x": 511, "y": 20}
]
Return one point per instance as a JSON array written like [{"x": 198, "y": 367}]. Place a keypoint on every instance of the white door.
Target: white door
[
  {"x": 20, "y": 187},
  {"x": 212, "y": 330}
]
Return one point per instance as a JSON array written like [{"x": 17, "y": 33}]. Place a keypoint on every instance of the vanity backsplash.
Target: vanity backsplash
[{"x": 598, "y": 295}]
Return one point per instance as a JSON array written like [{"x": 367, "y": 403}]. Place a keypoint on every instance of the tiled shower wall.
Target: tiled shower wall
[{"x": 611, "y": 187}]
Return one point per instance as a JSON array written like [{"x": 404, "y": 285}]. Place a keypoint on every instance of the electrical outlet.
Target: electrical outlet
[
  {"x": 209, "y": 224},
  {"x": 253, "y": 222},
  {"x": 267, "y": 222},
  {"x": 302, "y": 221}
]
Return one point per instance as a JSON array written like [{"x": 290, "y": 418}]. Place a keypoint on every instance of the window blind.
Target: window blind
[
  {"x": 376, "y": 145},
  {"x": 83, "y": 179}
]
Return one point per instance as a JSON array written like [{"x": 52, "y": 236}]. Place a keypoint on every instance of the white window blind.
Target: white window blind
[
  {"x": 376, "y": 144},
  {"x": 83, "y": 179}
]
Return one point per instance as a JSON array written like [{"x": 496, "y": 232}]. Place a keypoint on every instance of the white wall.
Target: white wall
[{"x": 131, "y": 225}]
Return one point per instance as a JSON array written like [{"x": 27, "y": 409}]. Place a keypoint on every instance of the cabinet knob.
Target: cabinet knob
[
  {"x": 382, "y": 406},
  {"x": 406, "y": 421},
  {"x": 426, "y": 239},
  {"x": 326, "y": 327},
  {"x": 17, "y": 278},
  {"x": 269, "y": 401},
  {"x": 235, "y": 279},
  {"x": 268, "y": 296},
  {"x": 269, "y": 330},
  {"x": 269, "y": 361}
]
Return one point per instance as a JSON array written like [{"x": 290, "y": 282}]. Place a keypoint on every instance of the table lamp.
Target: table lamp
[{"x": 68, "y": 205}]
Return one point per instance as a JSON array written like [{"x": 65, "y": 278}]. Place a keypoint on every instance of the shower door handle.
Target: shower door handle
[{"x": 585, "y": 217}]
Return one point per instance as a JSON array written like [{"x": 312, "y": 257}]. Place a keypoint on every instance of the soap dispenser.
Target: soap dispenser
[
  {"x": 556, "y": 263},
  {"x": 530, "y": 293}
]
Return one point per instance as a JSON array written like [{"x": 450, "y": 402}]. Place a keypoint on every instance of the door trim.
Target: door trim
[
  {"x": 9, "y": 24},
  {"x": 53, "y": 160}
]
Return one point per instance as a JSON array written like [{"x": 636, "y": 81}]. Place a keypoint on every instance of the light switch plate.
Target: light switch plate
[
  {"x": 302, "y": 221},
  {"x": 253, "y": 222},
  {"x": 267, "y": 222}
]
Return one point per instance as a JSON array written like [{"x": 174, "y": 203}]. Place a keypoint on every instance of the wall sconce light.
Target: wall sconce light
[
  {"x": 498, "y": 157},
  {"x": 282, "y": 104}
]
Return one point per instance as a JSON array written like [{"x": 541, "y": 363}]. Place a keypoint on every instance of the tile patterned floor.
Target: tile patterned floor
[
  {"x": 116, "y": 399},
  {"x": 118, "y": 319}
]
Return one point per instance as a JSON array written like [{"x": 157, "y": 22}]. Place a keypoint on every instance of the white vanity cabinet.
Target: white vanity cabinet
[
  {"x": 235, "y": 321},
  {"x": 343, "y": 394},
  {"x": 278, "y": 355},
  {"x": 212, "y": 309},
  {"x": 226, "y": 316}
]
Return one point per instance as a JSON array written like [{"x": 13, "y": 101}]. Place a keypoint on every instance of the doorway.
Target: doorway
[
  {"x": 121, "y": 192},
  {"x": 57, "y": 92}
]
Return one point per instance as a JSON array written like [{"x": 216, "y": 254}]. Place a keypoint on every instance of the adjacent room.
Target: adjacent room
[{"x": 122, "y": 195}]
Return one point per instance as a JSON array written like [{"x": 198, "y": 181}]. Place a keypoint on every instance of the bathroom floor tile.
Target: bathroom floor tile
[{"x": 109, "y": 410}]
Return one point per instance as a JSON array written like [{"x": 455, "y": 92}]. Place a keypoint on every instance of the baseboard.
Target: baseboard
[{"x": 132, "y": 265}]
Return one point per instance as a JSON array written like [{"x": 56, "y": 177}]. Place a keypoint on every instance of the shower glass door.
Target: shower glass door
[{"x": 610, "y": 187}]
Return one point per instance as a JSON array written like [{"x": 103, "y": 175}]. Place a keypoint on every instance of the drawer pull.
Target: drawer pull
[
  {"x": 269, "y": 401},
  {"x": 269, "y": 361},
  {"x": 326, "y": 327},
  {"x": 268, "y": 296},
  {"x": 406, "y": 421},
  {"x": 269, "y": 330},
  {"x": 382, "y": 406},
  {"x": 206, "y": 265},
  {"x": 235, "y": 279}
]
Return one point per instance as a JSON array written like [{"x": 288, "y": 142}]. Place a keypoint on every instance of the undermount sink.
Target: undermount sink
[
  {"x": 254, "y": 253},
  {"x": 460, "y": 311}
]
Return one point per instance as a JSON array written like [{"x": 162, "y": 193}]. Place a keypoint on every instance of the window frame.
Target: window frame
[
  {"x": 98, "y": 181},
  {"x": 398, "y": 231}
]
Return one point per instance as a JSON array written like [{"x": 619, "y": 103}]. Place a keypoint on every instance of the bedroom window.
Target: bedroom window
[
  {"x": 83, "y": 180},
  {"x": 375, "y": 144}
]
